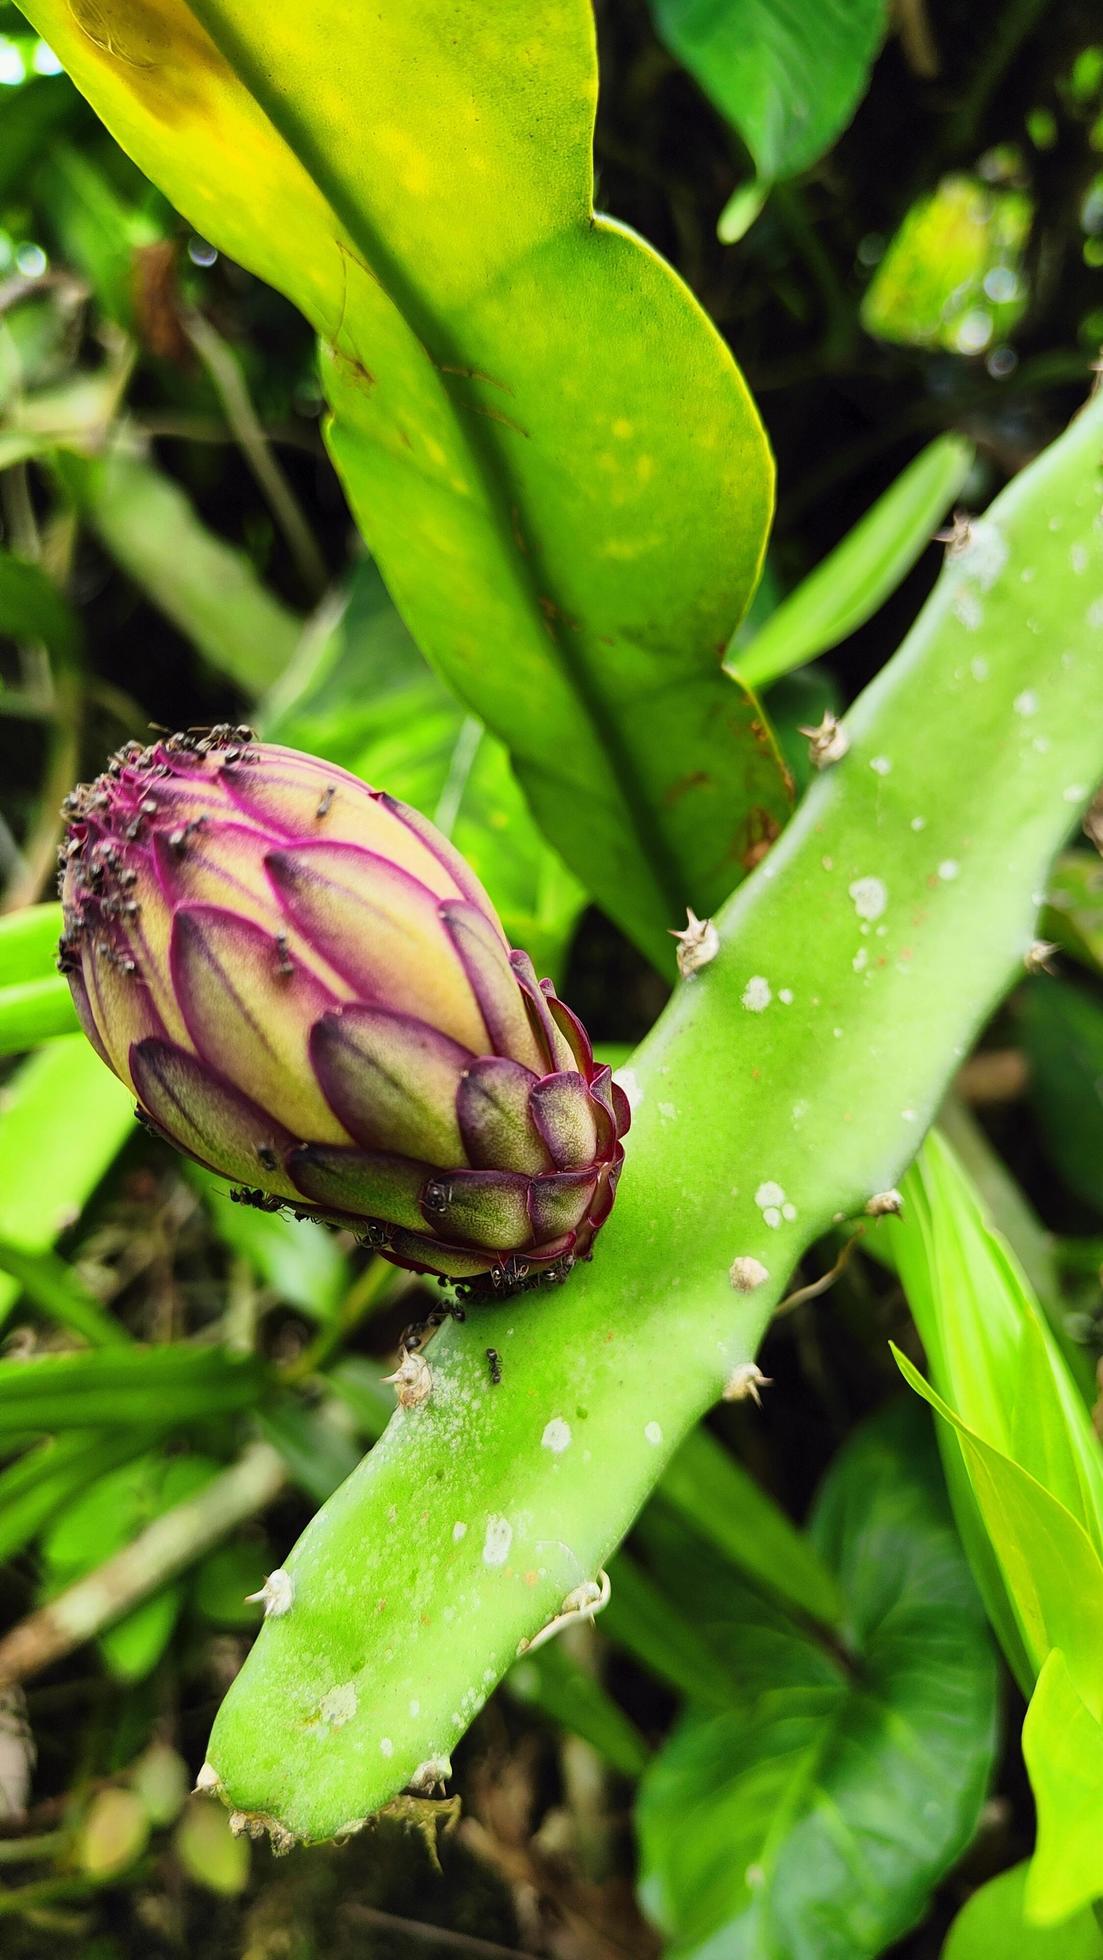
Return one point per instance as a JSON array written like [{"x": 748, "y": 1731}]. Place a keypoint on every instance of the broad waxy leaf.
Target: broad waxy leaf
[
  {"x": 663, "y": 1634},
  {"x": 812, "y": 1819},
  {"x": 746, "y": 1101},
  {"x": 571, "y": 521},
  {"x": 788, "y": 73}
]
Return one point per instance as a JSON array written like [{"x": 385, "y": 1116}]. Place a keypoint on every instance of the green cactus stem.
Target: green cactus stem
[{"x": 788, "y": 1083}]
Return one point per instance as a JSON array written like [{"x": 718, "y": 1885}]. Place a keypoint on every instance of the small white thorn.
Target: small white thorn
[
  {"x": 828, "y": 743},
  {"x": 349, "y": 1830},
  {"x": 885, "y": 1204},
  {"x": 275, "y": 1595},
  {"x": 1039, "y": 956},
  {"x": 745, "y": 1382},
  {"x": 591, "y": 1597},
  {"x": 698, "y": 943},
  {"x": 208, "y": 1779},
  {"x": 430, "y": 1776},
  {"x": 746, "y": 1273},
  {"x": 412, "y": 1379},
  {"x": 956, "y": 536}
]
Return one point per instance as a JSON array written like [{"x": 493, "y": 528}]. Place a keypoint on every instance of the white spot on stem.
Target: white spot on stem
[
  {"x": 499, "y": 1538},
  {"x": 557, "y": 1436},
  {"x": 870, "y": 897}
]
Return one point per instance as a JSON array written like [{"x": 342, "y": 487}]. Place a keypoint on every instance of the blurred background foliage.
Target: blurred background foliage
[{"x": 896, "y": 218}]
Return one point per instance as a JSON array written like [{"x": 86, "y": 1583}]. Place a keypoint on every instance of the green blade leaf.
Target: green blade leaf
[
  {"x": 317, "y": 1455},
  {"x": 99, "y": 231},
  {"x": 108, "y": 1386},
  {"x": 569, "y": 1696},
  {"x": 103, "y": 1519},
  {"x": 28, "y": 944},
  {"x": 206, "y": 587},
  {"x": 34, "y": 1010},
  {"x": 814, "y": 1817},
  {"x": 35, "y": 1002},
  {"x": 55, "y": 1288},
  {"x": 990, "y": 1352},
  {"x": 860, "y": 574},
  {"x": 706, "y": 1484},
  {"x": 739, "y": 1110},
  {"x": 660, "y": 1633},
  {"x": 32, "y": 115},
  {"x": 1063, "y": 1747},
  {"x": 570, "y": 522},
  {"x": 1052, "y": 1571},
  {"x": 32, "y": 608},
  {"x": 302, "y": 1262},
  {"x": 789, "y": 77},
  {"x": 65, "y": 1109},
  {"x": 38, "y": 1483}
]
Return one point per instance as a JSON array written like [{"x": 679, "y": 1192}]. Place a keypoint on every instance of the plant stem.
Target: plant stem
[
  {"x": 367, "y": 1291},
  {"x": 224, "y": 369}
]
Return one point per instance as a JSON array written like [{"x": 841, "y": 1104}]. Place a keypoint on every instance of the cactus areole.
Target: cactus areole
[{"x": 310, "y": 993}]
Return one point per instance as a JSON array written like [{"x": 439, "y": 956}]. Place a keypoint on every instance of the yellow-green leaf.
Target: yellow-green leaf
[
  {"x": 992, "y": 1922},
  {"x": 547, "y": 446},
  {"x": 1053, "y": 1573},
  {"x": 1063, "y": 1746}
]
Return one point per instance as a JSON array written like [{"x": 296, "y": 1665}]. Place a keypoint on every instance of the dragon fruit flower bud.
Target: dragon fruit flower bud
[{"x": 309, "y": 992}]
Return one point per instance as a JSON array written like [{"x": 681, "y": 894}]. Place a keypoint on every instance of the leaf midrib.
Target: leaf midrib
[{"x": 493, "y": 468}]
